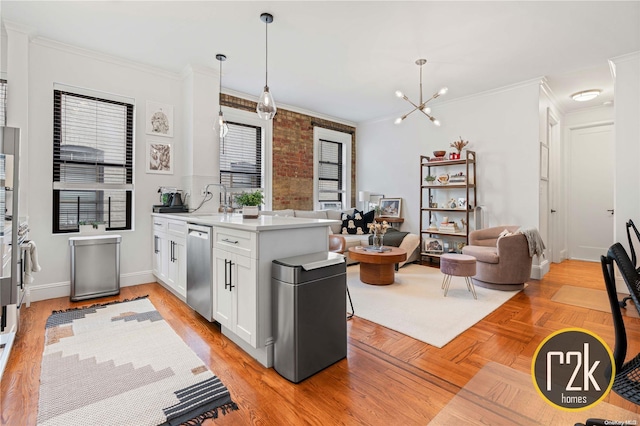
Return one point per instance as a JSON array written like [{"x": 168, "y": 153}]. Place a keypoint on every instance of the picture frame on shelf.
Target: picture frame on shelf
[
  {"x": 433, "y": 245},
  {"x": 159, "y": 119},
  {"x": 390, "y": 207},
  {"x": 159, "y": 157},
  {"x": 462, "y": 203}
]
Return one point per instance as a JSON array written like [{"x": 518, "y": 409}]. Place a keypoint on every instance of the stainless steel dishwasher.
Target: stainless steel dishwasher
[{"x": 200, "y": 269}]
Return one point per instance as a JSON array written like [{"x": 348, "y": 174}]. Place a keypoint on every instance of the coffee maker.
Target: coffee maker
[{"x": 171, "y": 199}]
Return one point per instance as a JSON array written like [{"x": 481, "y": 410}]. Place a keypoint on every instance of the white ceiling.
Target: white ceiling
[{"x": 346, "y": 59}]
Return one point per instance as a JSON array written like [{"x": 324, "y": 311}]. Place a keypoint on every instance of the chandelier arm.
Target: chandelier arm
[
  {"x": 411, "y": 112},
  {"x": 430, "y": 117},
  {"x": 408, "y": 100}
]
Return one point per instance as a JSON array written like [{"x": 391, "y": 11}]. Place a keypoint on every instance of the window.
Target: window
[
  {"x": 3, "y": 102},
  {"x": 92, "y": 161},
  {"x": 241, "y": 158},
  {"x": 332, "y": 168},
  {"x": 245, "y": 155}
]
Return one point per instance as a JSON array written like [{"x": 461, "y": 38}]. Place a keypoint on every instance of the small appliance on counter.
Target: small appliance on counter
[{"x": 171, "y": 199}]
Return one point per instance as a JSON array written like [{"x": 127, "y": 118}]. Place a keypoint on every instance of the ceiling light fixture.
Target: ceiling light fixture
[
  {"x": 266, "y": 106},
  {"x": 222, "y": 125},
  {"x": 586, "y": 95},
  {"x": 421, "y": 105}
]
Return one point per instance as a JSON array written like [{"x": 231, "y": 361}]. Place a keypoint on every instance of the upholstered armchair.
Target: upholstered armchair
[{"x": 503, "y": 263}]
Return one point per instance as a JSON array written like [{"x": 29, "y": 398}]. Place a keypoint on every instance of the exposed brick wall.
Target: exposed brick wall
[{"x": 293, "y": 154}]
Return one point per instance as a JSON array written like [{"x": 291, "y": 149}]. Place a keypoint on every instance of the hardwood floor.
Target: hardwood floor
[{"x": 387, "y": 378}]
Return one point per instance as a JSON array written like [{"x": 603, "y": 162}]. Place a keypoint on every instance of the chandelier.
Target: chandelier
[{"x": 421, "y": 106}]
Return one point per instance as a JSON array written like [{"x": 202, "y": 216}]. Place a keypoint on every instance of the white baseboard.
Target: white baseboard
[
  {"x": 539, "y": 271},
  {"x": 63, "y": 289}
]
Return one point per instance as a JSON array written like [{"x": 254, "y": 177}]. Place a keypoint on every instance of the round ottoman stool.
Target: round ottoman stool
[{"x": 458, "y": 265}]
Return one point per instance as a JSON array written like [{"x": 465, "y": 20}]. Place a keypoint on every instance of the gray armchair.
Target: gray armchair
[{"x": 503, "y": 263}]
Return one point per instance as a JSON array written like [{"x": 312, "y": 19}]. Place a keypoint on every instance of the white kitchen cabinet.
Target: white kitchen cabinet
[
  {"x": 170, "y": 254},
  {"x": 235, "y": 287}
]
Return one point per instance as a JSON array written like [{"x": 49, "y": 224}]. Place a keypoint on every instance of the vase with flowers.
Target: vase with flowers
[
  {"x": 458, "y": 145},
  {"x": 378, "y": 229}
]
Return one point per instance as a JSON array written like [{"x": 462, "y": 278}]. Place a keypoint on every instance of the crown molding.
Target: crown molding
[
  {"x": 291, "y": 108},
  {"x": 20, "y": 28},
  {"x": 544, "y": 86},
  {"x": 633, "y": 56},
  {"x": 104, "y": 57},
  {"x": 190, "y": 69}
]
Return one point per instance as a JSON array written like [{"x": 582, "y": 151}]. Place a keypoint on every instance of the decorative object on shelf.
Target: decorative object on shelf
[
  {"x": 421, "y": 105},
  {"x": 430, "y": 179},
  {"x": 390, "y": 207},
  {"x": 433, "y": 226},
  {"x": 433, "y": 245},
  {"x": 452, "y": 203},
  {"x": 439, "y": 154},
  {"x": 266, "y": 108},
  {"x": 458, "y": 178},
  {"x": 448, "y": 227},
  {"x": 159, "y": 119},
  {"x": 459, "y": 145},
  {"x": 249, "y": 201},
  {"x": 159, "y": 158},
  {"x": 378, "y": 230},
  {"x": 223, "y": 129},
  {"x": 443, "y": 179},
  {"x": 462, "y": 203}
]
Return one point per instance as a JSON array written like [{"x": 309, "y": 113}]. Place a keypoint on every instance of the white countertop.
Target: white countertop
[{"x": 236, "y": 221}]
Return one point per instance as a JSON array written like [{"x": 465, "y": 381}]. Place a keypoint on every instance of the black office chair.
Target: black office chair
[
  {"x": 627, "y": 380},
  {"x": 630, "y": 224}
]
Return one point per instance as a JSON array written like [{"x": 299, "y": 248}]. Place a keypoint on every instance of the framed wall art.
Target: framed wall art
[
  {"x": 390, "y": 207},
  {"x": 159, "y": 119},
  {"x": 159, "y": 157}
]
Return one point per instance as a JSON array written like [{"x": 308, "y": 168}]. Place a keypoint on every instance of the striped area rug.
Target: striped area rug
[{"x": 122, "y": 364}]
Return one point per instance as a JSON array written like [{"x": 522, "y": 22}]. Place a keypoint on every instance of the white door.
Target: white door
[
  {"x": 244, "y": 281},
  {"x": 223, "y": 304},
  {"x": 590, "y": 201}
]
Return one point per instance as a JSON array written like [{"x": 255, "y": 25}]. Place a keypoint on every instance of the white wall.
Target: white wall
[
  {"x": 627, "y": 143},
  {"x": 501, "y": 126},
  {"x": 51, "y": 63}
]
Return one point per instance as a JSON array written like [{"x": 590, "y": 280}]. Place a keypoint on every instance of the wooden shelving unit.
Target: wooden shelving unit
[{"x": 435, "y": 198}]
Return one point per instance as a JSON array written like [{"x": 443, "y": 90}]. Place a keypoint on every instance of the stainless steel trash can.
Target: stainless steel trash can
[
  {"x": 95, "y": 266},
  {"x": 310, "y": 308}
]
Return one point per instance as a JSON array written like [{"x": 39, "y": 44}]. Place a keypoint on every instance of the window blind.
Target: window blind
[
  {"x": 241, "y": 158},
  {"x": 330, "y": 179},
  {"x": 3, "y": 102},
  {"x": 92, "y": 161}
]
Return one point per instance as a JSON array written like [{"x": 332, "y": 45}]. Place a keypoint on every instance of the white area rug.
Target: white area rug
[{"x": 415, "y": 304}]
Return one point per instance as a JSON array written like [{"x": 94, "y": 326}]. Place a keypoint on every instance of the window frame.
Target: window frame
[
  {"x": 345, "y": 140},
  {"x": 251, "y": 118},
  {"x": 129, "y": 165}
]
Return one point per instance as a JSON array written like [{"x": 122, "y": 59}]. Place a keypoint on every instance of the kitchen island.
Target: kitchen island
[{"x": 243, "y": 251}]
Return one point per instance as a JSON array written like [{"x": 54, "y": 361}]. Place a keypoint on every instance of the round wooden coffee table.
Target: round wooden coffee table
[{"x": 375, "y": 267}]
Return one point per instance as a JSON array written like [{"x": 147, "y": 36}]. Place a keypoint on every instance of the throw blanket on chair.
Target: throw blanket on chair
[{"x": 536, "y": 245}]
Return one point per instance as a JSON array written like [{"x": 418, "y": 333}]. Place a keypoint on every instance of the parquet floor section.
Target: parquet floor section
[{"x": 387, "y": 378}]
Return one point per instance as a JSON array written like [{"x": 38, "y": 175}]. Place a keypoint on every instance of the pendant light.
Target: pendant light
[
  {"x": 266, "y": 108},
  {"x": 222, "y": 124}
]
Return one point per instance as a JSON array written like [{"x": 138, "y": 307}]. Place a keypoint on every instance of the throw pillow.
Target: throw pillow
[
  {"x": 353, "y": 224},
  {"x": 368, "y": 218},
  {"x": 392, "y": 238}
]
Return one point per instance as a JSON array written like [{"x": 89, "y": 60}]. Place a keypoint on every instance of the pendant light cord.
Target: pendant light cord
[
  {"x": 266, "y": 53},
  {"x": 220, "y": 87}
]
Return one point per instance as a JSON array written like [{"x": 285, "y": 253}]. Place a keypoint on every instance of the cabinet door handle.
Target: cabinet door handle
[
  {"x": 226, "y": 240},
  {"x": 231, "y": 286},
  {"x": 156, "y": 223},
  {"x": 155, "y": 244},
  {"x": 226, "y": 273}
]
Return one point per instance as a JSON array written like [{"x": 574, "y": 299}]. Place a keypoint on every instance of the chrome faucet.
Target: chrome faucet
[{"x": 224, "y": 196}]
